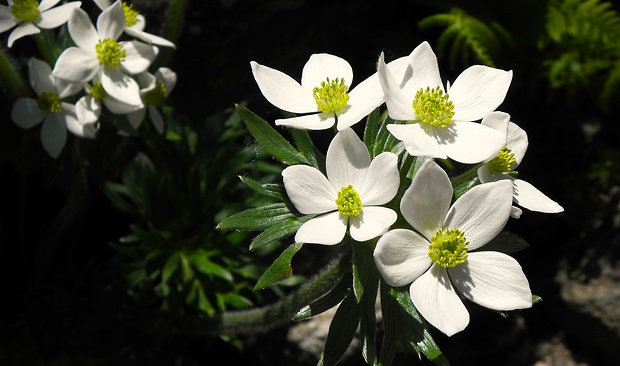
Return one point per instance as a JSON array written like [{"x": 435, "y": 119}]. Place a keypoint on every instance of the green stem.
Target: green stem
[
  {"x": 46, "y": 46},
  {"x": 281, "y": 312},
  {"x": 10, "y": 79},
  {"x": 464, "y": 177}
]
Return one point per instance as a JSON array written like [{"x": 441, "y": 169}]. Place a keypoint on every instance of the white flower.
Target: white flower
[
  {"x": 99, "y": 54},
  {"x": 156, "y": 89},
  {"x": 135, "y": 23},
  {"x": 30, "y": 15},
  {"x": 323, "y": 92},
  {"x": 509, "y": 158},
  {"x": 350, "y": 195},
  {"x": 439, "y": 124},
  {"x": 88, "y": 107},
  {"x": 57, "y": 116},
  {"x": 440, "y": 260}
]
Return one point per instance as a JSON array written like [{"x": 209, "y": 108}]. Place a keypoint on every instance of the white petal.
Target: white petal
[
  {"x": 54, "y": 134},
  {"x": 168, "y": 77},
  {"x": 493, "y": 280},
  {"x": 515, "y": 212},
  {"x": 437, "y": 301},
  {"x": 417, "y": 139},
  {"x": 111, "y": 21},
  {"x": 486, "y": 175},
  {"x": 139, "y": 56},
  {"x": 117, "y": 107},
  {"x": 58, "y": 16},
  {"x": 140, "y": 23},
  {"x": 121, "y": 86},
  {"x": 517, "y": 142},
  {"x": 498, "y": 121},
  {"x": 328, "y": 229},
  {"x": 482, "y": 212},
  {"x": 309, "y": 190},
  {"x": 283, "y": 91},
  {"x": 103, "y": 4},
  {"x": 26, "y": 113},
  {"x": 469, "y": 142},
  {"x": 321, "y": 66},
  {"x": 22, "y": 30},
  {"x": 398, "y": 103},
  {"x": 87, "y": 109},
  {"x": 156, "y": 119},
  {"x": 425, "y": 71},
  {"x": 76, "y": 65},
  {"x": 382, "y": 180},
  {"x": 372, "y": 222},
  {"x": 148, "y": 37},
  {"x": 67, "y": 88},
  {"x": 363, "y": 99},
  {"x": 477, "y": 91},
  {"x": 7, "y": 23},
  {"x": 136, "y": 118},
  {"x": 41, "y": 78},
  {"x": 528, "y": 196},
  {"x": 83, "y": 31},
  {"x": 319, "y": 121},
  {"x": 401, "y": 256},
  {"x": 426, "y": 202},
  {"x": 85, "y": 130},
  {"x": 347, "y": 160},
  {"x": 46, "y": 4}
]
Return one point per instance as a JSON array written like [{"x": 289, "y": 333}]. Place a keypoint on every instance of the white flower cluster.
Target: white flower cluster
[
  {"x": 101, "y": 70},
  {"x": 441, "y": 254}
]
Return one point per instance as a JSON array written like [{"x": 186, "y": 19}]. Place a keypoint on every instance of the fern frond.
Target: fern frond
[{"x": 465, "y": 37}]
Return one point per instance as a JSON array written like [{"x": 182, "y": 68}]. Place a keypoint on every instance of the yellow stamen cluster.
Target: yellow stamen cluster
[
  {"x": 448, "y": 248},
  {"x": 503, "y": 162},
  {"x": 348, "y": 202},
  {"x": 49, "y": 102},
  {"x": 110, "y": 52},
  {"x": 97, "y": 91},
  {"x": 25, "y": 10},
  {"x": 433, "y": 107},
  {"x": 131, "y": 15},
  {"x": 157, "y": 96},
  {"x": 331, "y": 96}
]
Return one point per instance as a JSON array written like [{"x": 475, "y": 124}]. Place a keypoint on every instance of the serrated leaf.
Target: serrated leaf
[
  {"x": 259, "y": 218},
  {"x": 278, "y": 231},
  {"x": 270, "y": 190},
  {"x": 270, "y": 140},
  {"x": 280, "y": 269}
]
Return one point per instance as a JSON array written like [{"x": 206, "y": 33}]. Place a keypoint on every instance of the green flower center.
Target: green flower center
[
  {"x": 97, "y": 91},
  {"x": 433, "y": 106},
  {"x": 25, "y": 10},
  {"x": 348, "y": 202},
  {"x": 131, "y": 15},
  {"x": 49, "y": 102},
  {"x": 110, "y": 52},
  {"x": 331, "y": 96},
  {"x": 157, "y": 95},
  {"x": 448, "y": 248},
  {"x": 503, "y": 162}
]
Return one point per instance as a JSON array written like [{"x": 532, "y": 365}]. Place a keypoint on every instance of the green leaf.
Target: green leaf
[
  {"x": 280, "y": 269},
  {"x": 305, "y": 145},
  {"x": 170, "y": 267},
  {"x": 266, "y": 189},
  {"x": 278, "y": 231},
  {"x": 505, "y": 243},
  {"x": 328, "y": 301},
  {"x": 259, "y": 218},
  {"x": 368, "y": 318},
  {"x": 536, "y": 299},
  {"x": 270, "y": 140},
  {"x": 404, "y": 328},
  {"x": 341, "y": 331},
  {"x": 371, "y": 129},
  {"x": 363, "y": 266},
  {"x": 200, "y": 260}
]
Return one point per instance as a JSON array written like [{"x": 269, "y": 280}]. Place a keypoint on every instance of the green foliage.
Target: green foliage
[
  {"x": 466, "y": 38},
  {"x": 582, "y": 39}
]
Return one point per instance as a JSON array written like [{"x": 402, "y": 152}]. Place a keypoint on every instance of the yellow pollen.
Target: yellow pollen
[
  {"x": 157, "y": 96},
  {"x": 25, "y": 10},
  {"x": 503, "y": 162},
  {"x": 49, "y": 102},
  {"x": 433, "y": 107},
  {"x": 331, "y": 96},
  {"x": 97, "y": 91},
  {"x": 348, "y": 202},
  {"x": 448, "y": 248},
  {"x": 131, "y": 15},
  {"x": 110, "y": 52}
]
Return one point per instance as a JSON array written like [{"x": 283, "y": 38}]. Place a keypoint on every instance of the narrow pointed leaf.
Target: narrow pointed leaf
[
  {"x": 331, "y": 299},
  {"x": 259, "y": 218},
  {"x": 280, "y": 269},
  {"x": 278, "y": 231},
  {"x": 266, "y": 189},
  {"x": 341, "y": 331}
]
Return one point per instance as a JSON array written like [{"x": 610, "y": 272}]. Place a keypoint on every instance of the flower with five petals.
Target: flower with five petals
[
  {"x": 350, "y": 196},
  {"x": 441, "y": 260}
]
